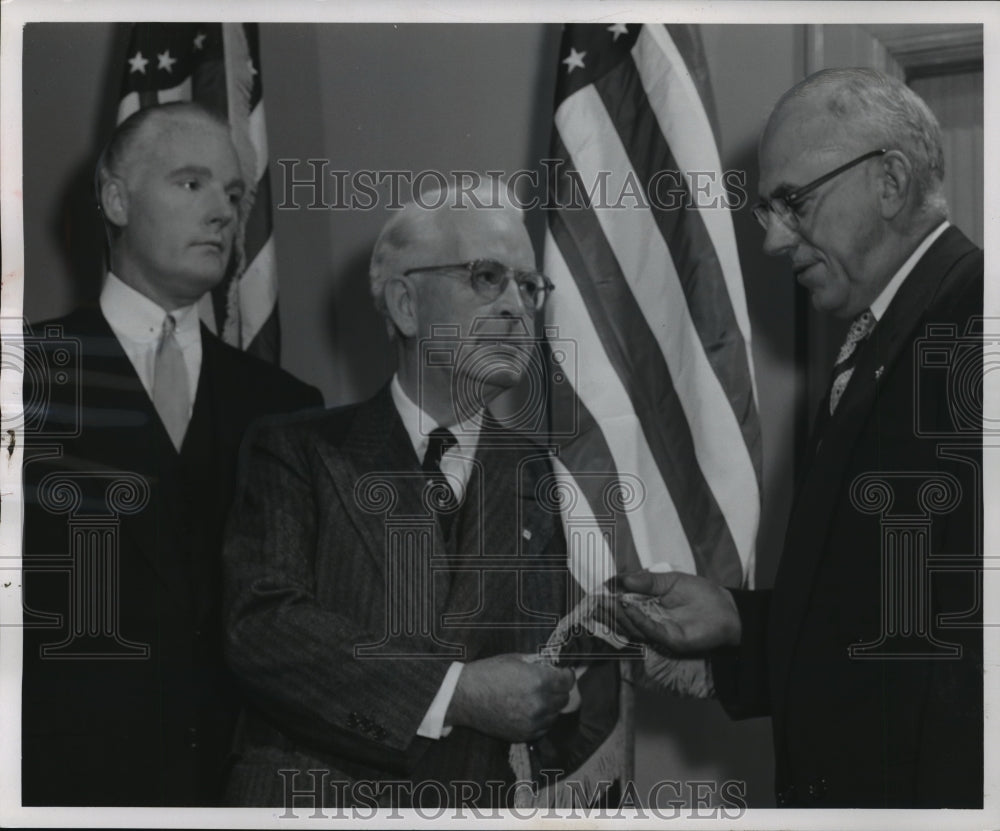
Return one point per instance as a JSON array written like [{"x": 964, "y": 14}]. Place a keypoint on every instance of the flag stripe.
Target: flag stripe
[
  {"x": 591, "y": 565},
  {"x": 267, "y": 341},
  {"x": 602, "y": 397},
  {"x": 691, "y": 250},
  {"x": 258, "y": 135},
  {"x": 686, "y": 128},
  {"x": 665, "y": 356},
  {"x": 259, "y": 222},
  {"x": 691, "y": 52},
  {"x": 654, "y": 297},
  {"x": 258, "y": 293},
  {"x": 589, "y": 444},
  {"x": 660, "y": 441}
]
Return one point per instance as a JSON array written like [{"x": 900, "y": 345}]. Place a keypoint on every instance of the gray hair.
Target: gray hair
[
  {"x": 889, "y": 112},
  {"x": 419, "y": 218}
]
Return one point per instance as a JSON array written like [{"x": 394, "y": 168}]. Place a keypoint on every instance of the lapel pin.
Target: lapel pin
[
  {"x": 526, "y": 533},
  {"x": 878, "y": 372}
]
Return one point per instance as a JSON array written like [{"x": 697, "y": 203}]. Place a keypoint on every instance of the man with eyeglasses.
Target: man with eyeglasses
[
  {"x": 867, "y": 654},
  {"x": 391, "y": 573}
]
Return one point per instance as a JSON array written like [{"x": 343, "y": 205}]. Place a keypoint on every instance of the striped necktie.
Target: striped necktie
[
  {"x": 171, "y": 395},
  {"x": 861, "y": 328}
]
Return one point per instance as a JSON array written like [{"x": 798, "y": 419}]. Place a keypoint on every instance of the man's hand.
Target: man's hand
[
  {"x": 691, "y": 614},
  {"x": 509, "y": 697}
]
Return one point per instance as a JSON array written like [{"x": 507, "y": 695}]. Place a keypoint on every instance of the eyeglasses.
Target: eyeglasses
[
  {"x": 489, "y": 279},
  {"x": 784, "y": 205}
]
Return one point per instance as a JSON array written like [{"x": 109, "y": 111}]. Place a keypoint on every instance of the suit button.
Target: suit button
[{"x": 193, "y": 738}]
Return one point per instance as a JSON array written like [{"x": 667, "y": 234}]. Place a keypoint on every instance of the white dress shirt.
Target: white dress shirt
[
  {"x": 456, "y": 465},
  {"x": 138, "y": 324}
]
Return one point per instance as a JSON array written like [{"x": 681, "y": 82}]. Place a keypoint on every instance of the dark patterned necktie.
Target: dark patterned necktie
[
  {"x": 442, "y": 496},
  {"x": 861, "y": 328}
]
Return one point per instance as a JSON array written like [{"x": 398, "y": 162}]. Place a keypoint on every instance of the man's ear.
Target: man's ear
[
  {"x": 114, "y": 201},
  {"x": 401, "y": 304},
  {"x": 895, "y": 183}
]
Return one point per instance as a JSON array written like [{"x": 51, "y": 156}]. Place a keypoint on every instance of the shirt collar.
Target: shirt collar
[
  {"x": 133, "y": 315},
  {"x": 881, "y": 303},
  {"x": 419, "y": 424}
]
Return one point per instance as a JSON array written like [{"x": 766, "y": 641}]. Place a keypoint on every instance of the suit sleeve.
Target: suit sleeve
[
  {"x": 740, "y": 672},
  {"x": 293, "y": 653}
]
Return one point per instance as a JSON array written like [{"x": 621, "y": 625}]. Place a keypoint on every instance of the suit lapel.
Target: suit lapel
[
  {"x": 122, "y": 429},
  {"x": 822, "y": 486},
  {"x": 377, "y": 459}
]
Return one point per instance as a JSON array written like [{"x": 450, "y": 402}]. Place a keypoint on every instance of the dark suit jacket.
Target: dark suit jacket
[
  {"x": 868, "y": 729},
  {"x": 126, "y": 700},
  {"x": 339, "y": 584}
]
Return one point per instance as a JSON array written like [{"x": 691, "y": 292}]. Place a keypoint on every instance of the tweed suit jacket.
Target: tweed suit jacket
[
  {"x": 340, "y": 671},
  {"x": 867, "y": 709}
]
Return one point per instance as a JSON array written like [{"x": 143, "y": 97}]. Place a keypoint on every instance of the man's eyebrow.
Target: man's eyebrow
[
  {"x": 191, "y": 170},
  {"x": 206, "y": 172}
]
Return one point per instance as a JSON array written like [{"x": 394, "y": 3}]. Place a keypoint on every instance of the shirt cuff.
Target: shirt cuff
[{"x": 432, "y": 727}]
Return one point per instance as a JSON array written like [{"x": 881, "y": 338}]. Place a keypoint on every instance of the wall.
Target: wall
[{"x": 419, "y": 97}]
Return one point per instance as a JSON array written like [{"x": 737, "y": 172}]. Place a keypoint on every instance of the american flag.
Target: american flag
[
  {"x": 218, "y": 65},
  {"x": 643, "y": 254}
]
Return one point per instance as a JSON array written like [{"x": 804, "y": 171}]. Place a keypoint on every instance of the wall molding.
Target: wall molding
[{"x": 932, "y": 49}]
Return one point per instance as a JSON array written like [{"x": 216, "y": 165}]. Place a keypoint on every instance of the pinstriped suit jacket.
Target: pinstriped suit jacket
[{"x": 345, "y": 606}]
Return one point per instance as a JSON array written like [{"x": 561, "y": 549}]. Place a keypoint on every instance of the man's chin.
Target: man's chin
[{"x": 473, "y": 392}]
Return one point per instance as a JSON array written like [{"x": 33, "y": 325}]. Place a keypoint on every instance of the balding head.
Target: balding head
[
  {"x": 858, "y": 109},
  {"x": 850, "y": 182}
]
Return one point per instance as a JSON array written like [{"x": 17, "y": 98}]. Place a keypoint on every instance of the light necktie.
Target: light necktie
[
  {"x": 861, "y": 328},
  {"x": 439, "y": 442},
  {"x": 171, "y": 395}
]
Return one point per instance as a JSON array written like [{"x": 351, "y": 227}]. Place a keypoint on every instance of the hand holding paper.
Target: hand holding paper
[{"x": 679, "y": 612}]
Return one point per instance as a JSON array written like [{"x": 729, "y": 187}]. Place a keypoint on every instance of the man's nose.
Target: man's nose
[
  {"x": 779, "y": 238},
  {"x": 222, "y": 209},
  {"x": 511, "y": 302}
]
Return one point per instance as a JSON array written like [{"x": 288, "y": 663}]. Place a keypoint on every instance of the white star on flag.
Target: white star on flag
[
  {"x": 138, "y": 63},
  {"x": 199, "y": 40},
  {"x": 617, "y": 29},
  {"x": 574, "y": 60},
  {"x": 165, "y": 61}
]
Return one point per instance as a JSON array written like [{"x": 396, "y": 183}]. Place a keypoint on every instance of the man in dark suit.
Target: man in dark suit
[
  {"x": 390, "y": 570},
  {"x": 867, "y": 654},
  {"x": 128, "y": 478}
]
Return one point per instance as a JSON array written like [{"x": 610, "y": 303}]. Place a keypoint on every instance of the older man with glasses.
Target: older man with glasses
[
  {"x": 867, "y": 654},
  {"x": 391, "y": 575}
]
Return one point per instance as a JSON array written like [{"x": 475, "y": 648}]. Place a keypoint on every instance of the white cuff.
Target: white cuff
[{"x": 432, "y": 727}]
